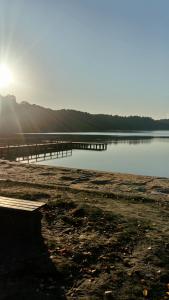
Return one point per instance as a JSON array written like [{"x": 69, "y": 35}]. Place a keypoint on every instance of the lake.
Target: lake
[{"x": 144, "y": 153}]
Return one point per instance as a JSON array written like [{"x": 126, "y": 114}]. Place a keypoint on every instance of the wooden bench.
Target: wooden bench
[{"x": 20, "y": 218}]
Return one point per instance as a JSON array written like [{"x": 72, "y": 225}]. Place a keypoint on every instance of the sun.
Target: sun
[{"x": 6, "y": 77}]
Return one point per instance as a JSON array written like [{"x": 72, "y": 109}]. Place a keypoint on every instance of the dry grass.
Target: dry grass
[
  {"x": 112, "y": 245},
  {"x": 103, "y": 244}
]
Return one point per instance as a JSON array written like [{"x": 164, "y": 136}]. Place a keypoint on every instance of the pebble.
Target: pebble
[{"x": 108, "y": 295}]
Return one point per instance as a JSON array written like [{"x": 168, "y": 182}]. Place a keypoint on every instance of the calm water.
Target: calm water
[{"x": 145, "y": 153}]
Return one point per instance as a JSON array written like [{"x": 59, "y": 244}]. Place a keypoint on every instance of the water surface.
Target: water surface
[{"x": 131, "y": 152}]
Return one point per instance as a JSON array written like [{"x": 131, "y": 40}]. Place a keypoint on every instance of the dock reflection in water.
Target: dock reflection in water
[{"x": 44, "y": 156}]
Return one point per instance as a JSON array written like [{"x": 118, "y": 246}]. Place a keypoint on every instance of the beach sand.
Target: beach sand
[{"x": 105, "y": 235}]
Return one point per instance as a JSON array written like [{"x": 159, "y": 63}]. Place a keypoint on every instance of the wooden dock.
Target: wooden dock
[
  {"x": 89, "y": 146},
  {"x": 12, "y": 152}
]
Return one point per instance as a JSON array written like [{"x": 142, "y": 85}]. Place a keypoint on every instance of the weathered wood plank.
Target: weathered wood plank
[
  {"x": 37, "y": 203},
  {"x": 21, "y": 201},
  {"x": 16, "y": 207},
  {"x": 19, "y": 204}
]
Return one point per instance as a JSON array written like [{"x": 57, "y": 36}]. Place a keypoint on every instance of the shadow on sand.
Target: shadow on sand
[{"x": 27, "y": 271}]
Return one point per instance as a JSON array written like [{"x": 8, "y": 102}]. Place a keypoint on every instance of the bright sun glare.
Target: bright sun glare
[{"x": 6, "y": 77}]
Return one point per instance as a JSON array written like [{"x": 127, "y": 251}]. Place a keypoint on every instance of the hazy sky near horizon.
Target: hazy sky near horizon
[{"x": 100, "y": 56}]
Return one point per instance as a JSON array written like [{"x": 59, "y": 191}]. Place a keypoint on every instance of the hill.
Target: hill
[{"x": 24, "y": 117}]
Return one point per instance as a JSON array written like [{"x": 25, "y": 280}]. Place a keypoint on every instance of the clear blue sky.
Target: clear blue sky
[{"x": 100, "y": 56}]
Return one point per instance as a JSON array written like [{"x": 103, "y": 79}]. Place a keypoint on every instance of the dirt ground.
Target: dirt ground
[{"x": 104, "y": 235}]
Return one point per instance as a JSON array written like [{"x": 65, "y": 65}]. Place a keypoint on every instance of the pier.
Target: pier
[
  {"x": 90, "y": 146},
  {"x": 34, "y": 151}
]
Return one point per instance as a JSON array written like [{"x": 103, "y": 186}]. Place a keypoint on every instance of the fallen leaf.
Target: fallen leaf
[{"x": 145, "y": 292}]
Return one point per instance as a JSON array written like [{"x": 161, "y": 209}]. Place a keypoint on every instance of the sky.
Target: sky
[{"x": 99, "y": 56}]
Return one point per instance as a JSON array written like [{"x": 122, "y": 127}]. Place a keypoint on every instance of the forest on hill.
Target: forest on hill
[{"x": 24, "y": 117}]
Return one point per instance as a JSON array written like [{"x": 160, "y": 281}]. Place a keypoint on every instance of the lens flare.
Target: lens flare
[{"x": 6, "y": 77}]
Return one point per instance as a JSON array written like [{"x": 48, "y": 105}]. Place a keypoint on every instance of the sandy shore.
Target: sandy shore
[
  {"x": 86, "y": 180},
  {"x": 104, "y": 236}
]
